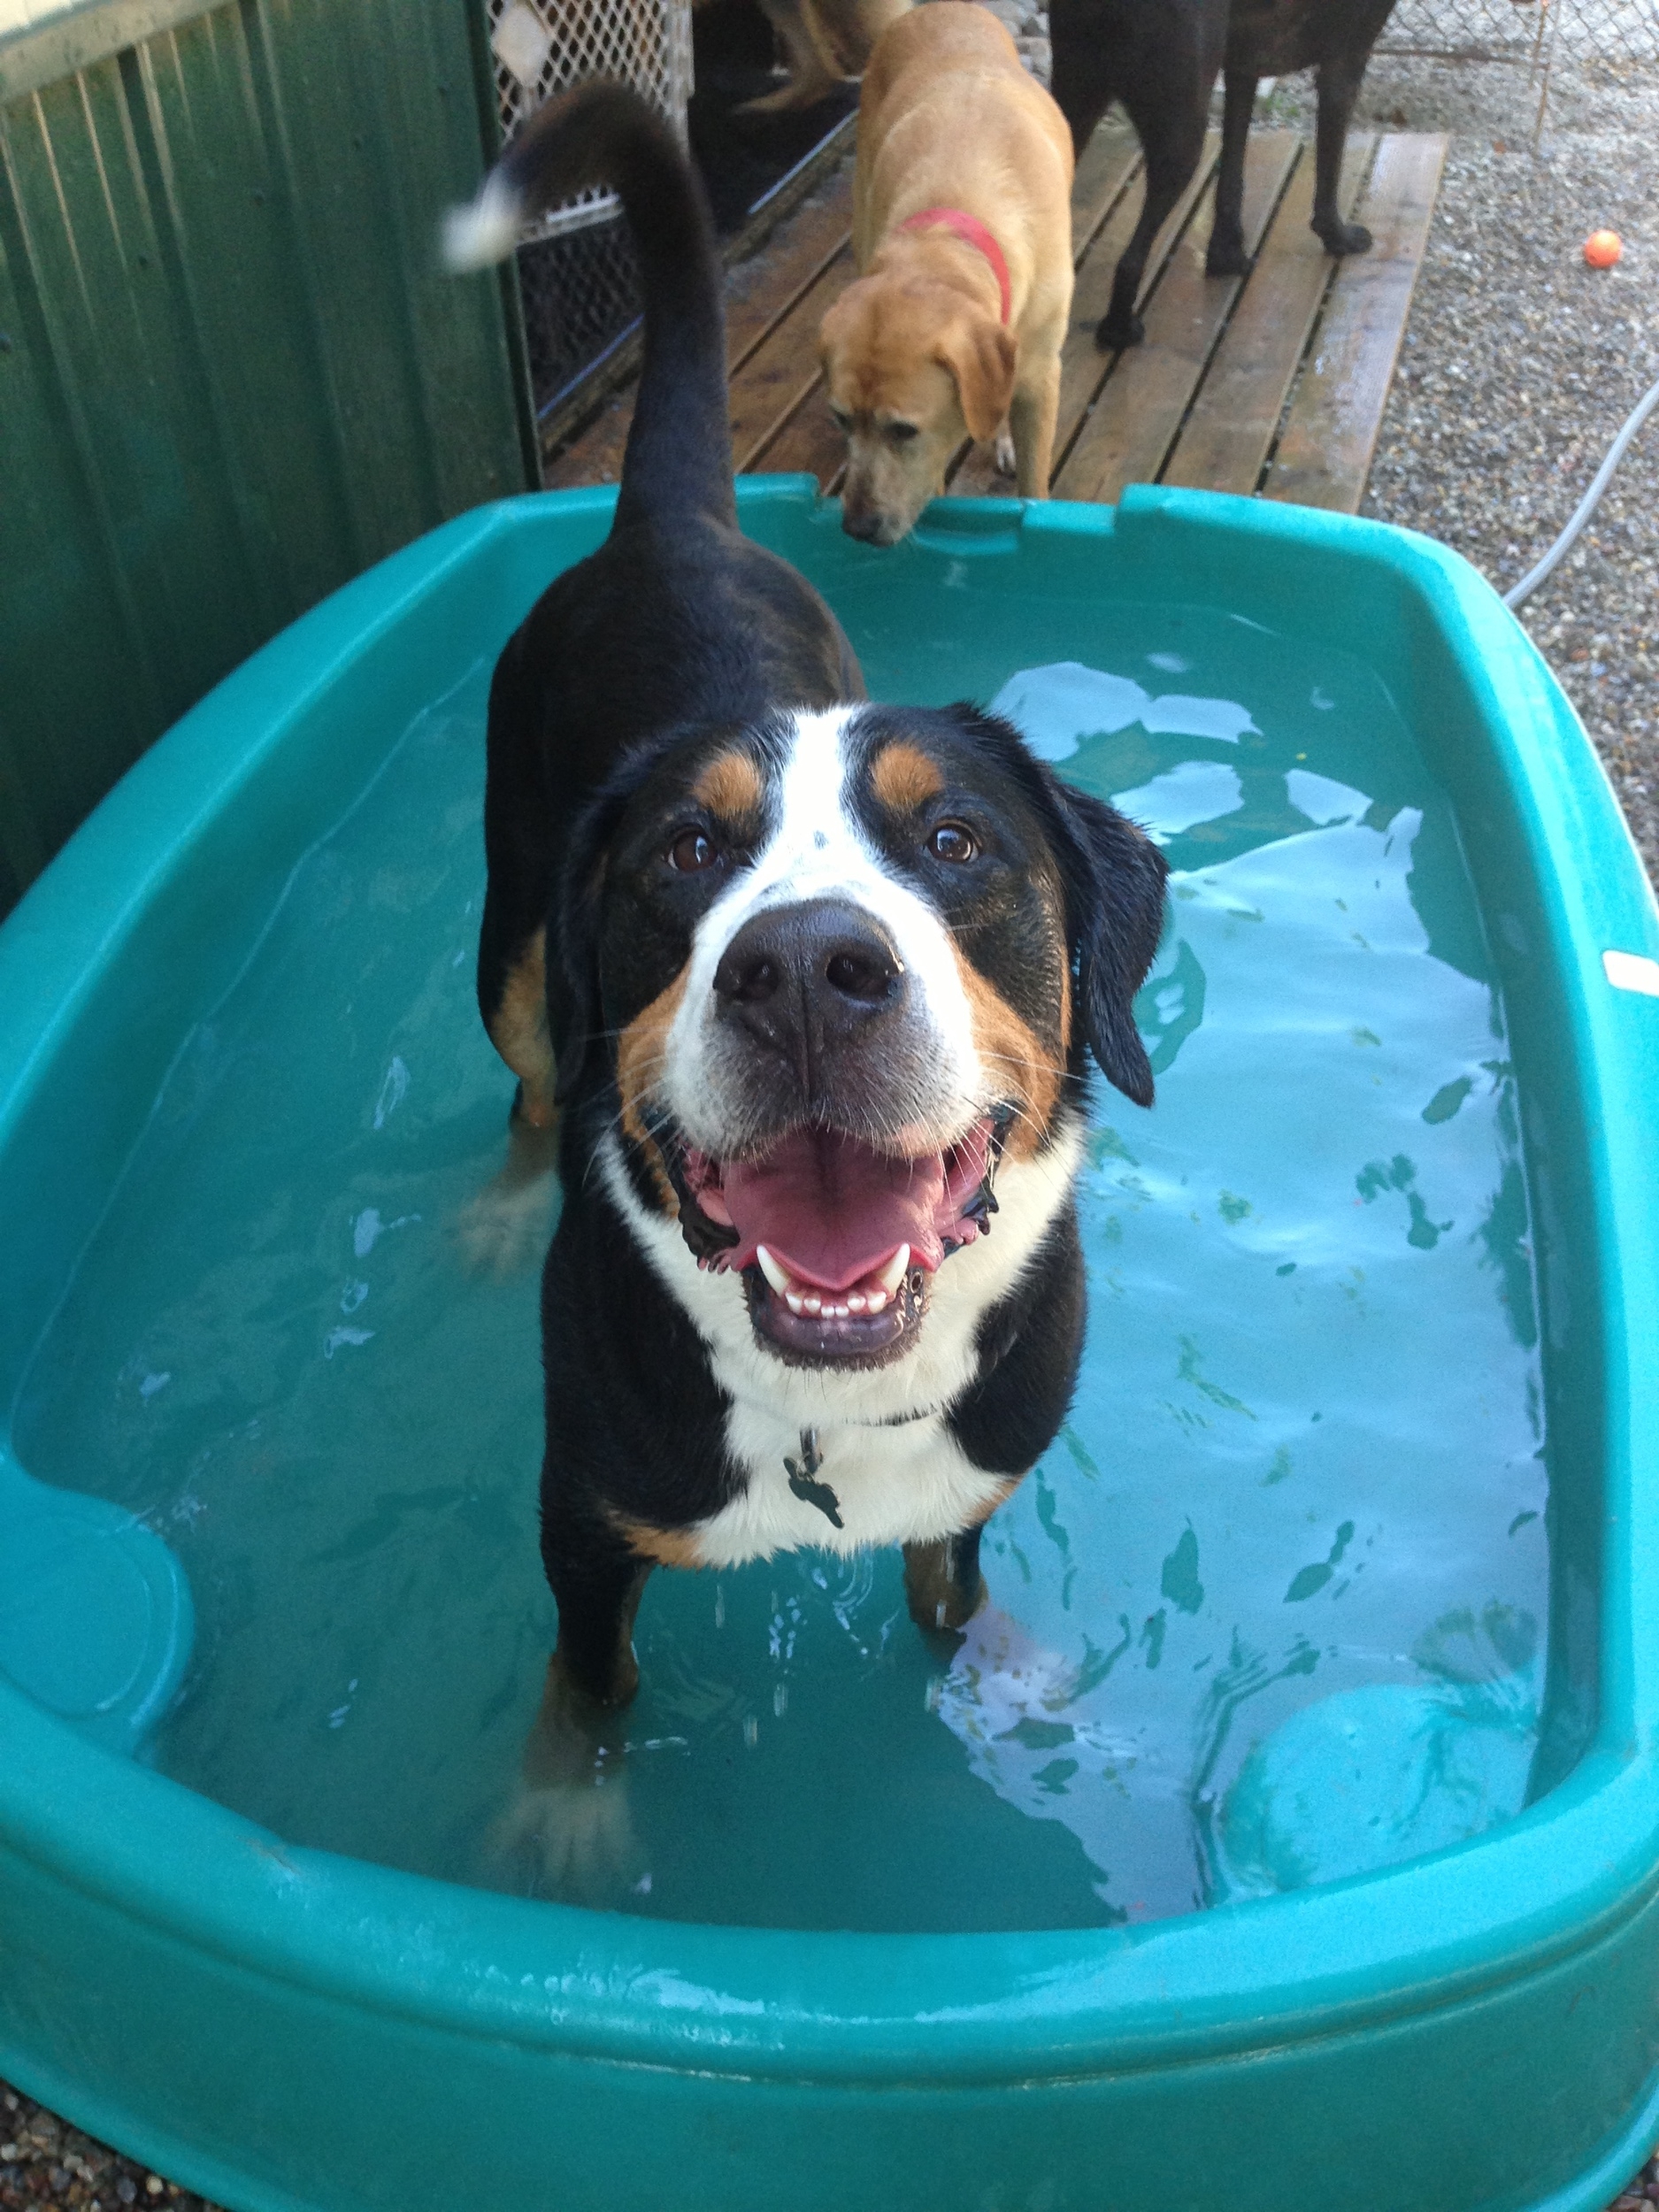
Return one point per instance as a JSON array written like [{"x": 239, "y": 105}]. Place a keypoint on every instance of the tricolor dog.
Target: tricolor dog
[{"x": 819, "y": 978}]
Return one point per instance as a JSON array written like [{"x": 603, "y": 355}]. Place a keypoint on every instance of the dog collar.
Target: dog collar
[{"x": 972, "y": 232}]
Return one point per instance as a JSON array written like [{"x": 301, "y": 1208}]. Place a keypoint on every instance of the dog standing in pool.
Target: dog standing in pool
[{"x": 811, "y": 984}]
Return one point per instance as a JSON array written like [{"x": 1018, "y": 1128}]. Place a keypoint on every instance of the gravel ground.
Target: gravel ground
[
  {"x": 48, "y": 2166},
  {"x": 1519, "y": 365}
]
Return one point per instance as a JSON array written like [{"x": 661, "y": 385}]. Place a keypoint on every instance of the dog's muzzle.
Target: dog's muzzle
[{"x": 811, "y": 985}]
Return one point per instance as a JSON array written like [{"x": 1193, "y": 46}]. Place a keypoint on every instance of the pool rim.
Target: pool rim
[{"x": 844, "y": 2007}]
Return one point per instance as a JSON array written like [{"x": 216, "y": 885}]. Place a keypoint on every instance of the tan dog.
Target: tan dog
[
  {"x": 962, "y": 230},
  {"x": 828, "y": 42}
]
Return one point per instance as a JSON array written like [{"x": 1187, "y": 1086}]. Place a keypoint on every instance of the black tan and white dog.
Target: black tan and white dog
[
  {"x": 819, "y": 978},
  {"x": 1159, "y": 58}
]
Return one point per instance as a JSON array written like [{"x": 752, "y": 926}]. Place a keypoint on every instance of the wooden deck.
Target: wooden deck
[{"x": 1272, "y": 384}]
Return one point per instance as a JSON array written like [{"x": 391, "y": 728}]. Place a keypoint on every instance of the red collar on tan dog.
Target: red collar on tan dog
[{"x": 972, "y": 232}]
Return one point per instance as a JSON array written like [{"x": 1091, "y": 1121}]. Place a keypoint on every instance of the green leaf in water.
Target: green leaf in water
[
  {"x": 1180, "y": 1584},
  {"x": 1447, "y": 1099},
  {"x": 1189, "y": 1361},
  {"x": 1312, "y": 1580}
]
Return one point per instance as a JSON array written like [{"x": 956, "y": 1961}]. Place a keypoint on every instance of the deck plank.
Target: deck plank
[
  {"x": 1330, "y": 435},
  {"x": 781, "y": 372},
  {"x": 1109, "y": 166},
  {"x": 1201, "y": 400},
  {"x": 1136, "y": 420},
  {"x": 1083, "y": 366},
  {"x": 1224, "y": 441}
]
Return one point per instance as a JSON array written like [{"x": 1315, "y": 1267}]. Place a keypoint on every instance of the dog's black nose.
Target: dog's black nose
[{"x": 808, "y": 978}]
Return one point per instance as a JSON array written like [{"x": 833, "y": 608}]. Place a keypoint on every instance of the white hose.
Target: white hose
[{"x": 1587, "y": 505}]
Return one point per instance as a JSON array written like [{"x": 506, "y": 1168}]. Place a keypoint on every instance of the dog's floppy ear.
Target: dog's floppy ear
[
  {"x": 575, "y": 1015},
  {"x": 1114, "y": 878},
  {"x": 982, "y": 356}
]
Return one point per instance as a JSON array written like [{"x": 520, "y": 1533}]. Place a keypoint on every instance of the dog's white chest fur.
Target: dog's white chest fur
[
  {"x": 889, "y": 1485},
  {"x": 897, "y": 1473}
]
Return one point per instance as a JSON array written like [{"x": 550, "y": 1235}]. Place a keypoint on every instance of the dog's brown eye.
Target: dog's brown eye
[
  {"x": 951, "y": 842},
  {"x": 691, "y": 851},
  {"x": 902, "y": 432}
]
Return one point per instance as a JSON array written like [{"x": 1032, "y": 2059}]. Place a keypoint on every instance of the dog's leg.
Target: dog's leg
[
  {"x": 597, "y": 1582},
  {"x": 1033, "y": 414},
  {"x": 1227, "y": 256},
  {"x": 942, "y": 1582},
  {"x": 1005, "y": 450},
  {"x": 1173, "y": 146},
  {"x": 1338, "y": 88},
  {"x": 1083, "y": 81},
  {"x": 506, "y": 1226},
  {"x": 812, "y": 73},
  {"x": 569, "y": 1823}
]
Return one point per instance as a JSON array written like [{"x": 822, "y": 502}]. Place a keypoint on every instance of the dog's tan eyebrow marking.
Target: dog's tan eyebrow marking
[
  {"x": 903, "y": 778},
  {"x": 641, "y": 1051},
  {"x": 1025, "y": 1071},
  {"x": 730, "y": 785}
]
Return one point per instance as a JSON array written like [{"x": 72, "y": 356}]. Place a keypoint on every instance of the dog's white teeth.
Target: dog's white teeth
[
  {"x": 893, "y": 1274},
  {"x": 778, "y": 1276},
  {"x": 875, "y": 1301},
  {"x": 814, "y": 1305},
  {"x": 794, "y": 1304},
  {"x": 856, "y": 1303}
]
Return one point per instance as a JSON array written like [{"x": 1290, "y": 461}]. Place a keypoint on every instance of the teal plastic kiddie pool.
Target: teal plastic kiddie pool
[{"x": 1288, "y": 1833}]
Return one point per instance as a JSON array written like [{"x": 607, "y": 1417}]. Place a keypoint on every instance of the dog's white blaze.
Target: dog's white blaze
[
  {"x": 904, "y": 1484},
  {"x": 819, "y": 850}
]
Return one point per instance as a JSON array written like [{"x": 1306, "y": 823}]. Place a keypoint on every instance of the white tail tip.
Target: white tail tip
[{"x": 486, "y": 230}]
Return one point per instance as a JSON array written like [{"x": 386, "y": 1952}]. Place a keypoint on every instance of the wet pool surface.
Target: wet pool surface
[{"x": 1269, "y": 1613}]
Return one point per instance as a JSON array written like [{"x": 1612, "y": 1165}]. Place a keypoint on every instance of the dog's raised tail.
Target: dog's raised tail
[{"x": 679, "y": 459}]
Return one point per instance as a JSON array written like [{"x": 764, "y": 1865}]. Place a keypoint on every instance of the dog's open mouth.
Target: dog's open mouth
[{"x": 838, "y": 1242}]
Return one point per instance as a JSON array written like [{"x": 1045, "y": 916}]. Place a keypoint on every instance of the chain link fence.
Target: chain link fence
[{"x": 1533, "y": 32}]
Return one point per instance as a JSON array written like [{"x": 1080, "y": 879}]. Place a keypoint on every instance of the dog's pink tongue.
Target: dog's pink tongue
[{"x": 832, "y": 1210}]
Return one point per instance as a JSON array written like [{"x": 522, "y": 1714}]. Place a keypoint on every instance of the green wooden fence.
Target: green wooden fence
[{"x": 231, "y": 372}]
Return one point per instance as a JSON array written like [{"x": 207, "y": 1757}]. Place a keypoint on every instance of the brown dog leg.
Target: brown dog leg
[
  {"x": 942, "y": 1582},
  {"x": 1032, "y": 412}
]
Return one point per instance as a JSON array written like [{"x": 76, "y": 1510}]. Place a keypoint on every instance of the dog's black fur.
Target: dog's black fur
[
  {"x": 1159, "y": 58},
  {"x": 679, "y": 619},
  {"x": 647, "y": 701}
]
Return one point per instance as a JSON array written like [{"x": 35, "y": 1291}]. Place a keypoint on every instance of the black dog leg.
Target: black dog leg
[
  {"x": 1169, "y": 172},
  {"x": 1083, "y": 77},
  {"x": 1227, "y": 256},
  {"x": 1338, "y": 88},
  {"x": 943, "y": 1583},
  {"x": 597, "y": 1583}
]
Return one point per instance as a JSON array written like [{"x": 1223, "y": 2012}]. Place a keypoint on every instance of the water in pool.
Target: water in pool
[{"x": 1270, "y": 1611}]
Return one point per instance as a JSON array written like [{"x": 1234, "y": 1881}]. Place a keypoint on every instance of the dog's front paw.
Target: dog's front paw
[
  {"x": 1116, "y": 334},
  {"x": 573, "y": 1840},
  {"x": 504, "y": 1230},
  {"x": 1227, "y": 258},
  {"x": 1003, "y": 452},
  {"x": 1344, "y": 238},
  {"x": 568, "y": 1832}
]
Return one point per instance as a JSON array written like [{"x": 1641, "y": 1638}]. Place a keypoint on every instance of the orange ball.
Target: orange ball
[{"x": 1602, "y": 249}]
